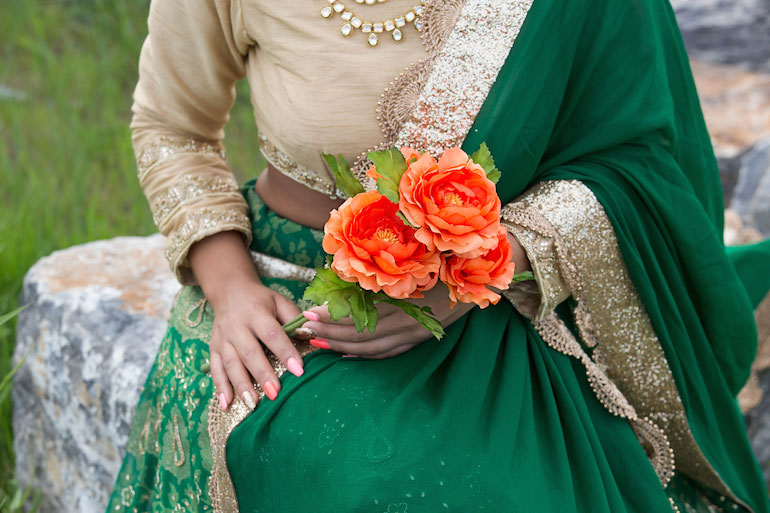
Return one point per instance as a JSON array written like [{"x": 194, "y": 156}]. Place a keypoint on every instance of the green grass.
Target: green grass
[{"x": 67, "y": 171}]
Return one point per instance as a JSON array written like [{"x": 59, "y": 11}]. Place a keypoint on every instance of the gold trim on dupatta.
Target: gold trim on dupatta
[
  {"x": 627, "y": 368},
  {"x": 223, "y": 422}
]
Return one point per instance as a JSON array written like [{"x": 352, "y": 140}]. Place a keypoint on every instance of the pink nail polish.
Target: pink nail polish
[
  {"x": 270, "y": 390},
  {"x": 311, "y": 316},
  {"x": 222, "y": 401},
  {"x": 294, "y": 367},
  {"x": 319, "y": 343}
]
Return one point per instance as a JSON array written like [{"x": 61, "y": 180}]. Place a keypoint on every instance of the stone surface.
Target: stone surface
[
  {"x": 735, "y": 32},
  {"x": 96, "y": 317},
  {"x": 729, "y": 45},
  {"x": 736, "y": 105},
  {"x": 751, "y": 198},
  {"x": 758, "y": 418},
  {"x": 754, "y": 399}
]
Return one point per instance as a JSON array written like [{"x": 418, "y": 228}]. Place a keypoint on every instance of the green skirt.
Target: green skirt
[{"x": 488, "y": 419}]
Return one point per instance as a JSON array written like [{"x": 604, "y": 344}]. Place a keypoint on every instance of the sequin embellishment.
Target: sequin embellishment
[
  {"x": 187, "y": 188},
  {"x": 612, "y": 319}
]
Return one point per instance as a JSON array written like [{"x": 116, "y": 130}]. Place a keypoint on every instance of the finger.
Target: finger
[
  {"x": 387, "y": 325},
  {"x": 390, "y": 354},
  {"x": 323, "y": 316},
  {"x": 238, "y": 376},
  {"x": 374, "y": 347},
  {"x": 285, "y": 309},
  {"x": 383, "y": 310},
  {"x": 221, "y": 383},
  {"x": 253, "y": 357},
  {"x": 272, "y": 334}
]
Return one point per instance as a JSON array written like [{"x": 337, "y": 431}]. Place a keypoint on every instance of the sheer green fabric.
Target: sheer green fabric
[{"x": 602, "y": 92}]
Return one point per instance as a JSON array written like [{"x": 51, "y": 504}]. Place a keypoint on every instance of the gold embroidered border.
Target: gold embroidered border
[
  {"x": 536, "y": 299},
  {"x": 168, "y": 148},
  {"x": 199, "y": 225},
  {"x": 185, "y": 189},
  {"x": 464, "y": 71},
  {"x": 223, "y": 422},
  {"x": 432, "y": 105},
  {"x": 283, "y": 163},
  {"x": 611, "y": 318}
]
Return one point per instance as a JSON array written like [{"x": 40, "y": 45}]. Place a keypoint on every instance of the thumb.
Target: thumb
[{"x": 285, "y": 309}]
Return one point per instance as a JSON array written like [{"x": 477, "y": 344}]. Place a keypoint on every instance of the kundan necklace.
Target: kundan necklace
[{"x": 373, "y": 29}]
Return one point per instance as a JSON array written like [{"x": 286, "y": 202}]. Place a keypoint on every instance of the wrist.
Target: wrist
[
  {"x": 520, "y": 258},
  {"x": 221, "y": 262}
]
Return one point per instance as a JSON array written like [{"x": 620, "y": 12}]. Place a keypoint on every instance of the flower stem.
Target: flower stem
[
  {"x": 523, "y": 276},
  {"x": 293, "y": 324}
]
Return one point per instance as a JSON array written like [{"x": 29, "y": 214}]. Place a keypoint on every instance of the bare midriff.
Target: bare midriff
[{"x": 292, "y": 200}]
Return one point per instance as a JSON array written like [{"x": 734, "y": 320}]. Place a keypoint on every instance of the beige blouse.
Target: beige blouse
[{"x": 312, "y": 91}]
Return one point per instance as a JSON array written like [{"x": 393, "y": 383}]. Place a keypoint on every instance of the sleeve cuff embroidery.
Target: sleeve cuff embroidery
[
  {"x": 535, "y": 234},
  {"x": 199, "y": 225}
]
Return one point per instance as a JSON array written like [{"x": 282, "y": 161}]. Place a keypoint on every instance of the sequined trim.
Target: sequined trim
[
  {"x": 167, "y": 148},
  {"x": 611, "y": 317},
  {"x": 303, "y": 175},
  {"x": 199, "y": 225},
  {"x": 463, "y": 65},
  {"x": 274, "y": 267},
  {"x": 536, "y": 299},
  {"x": 187, "y": 188},
  {"x": 222, "y": 423},
  {"x": 463, "y": 74}
]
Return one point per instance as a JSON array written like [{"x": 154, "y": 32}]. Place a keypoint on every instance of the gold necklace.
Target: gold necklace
[{"x": 353, "y": 22}]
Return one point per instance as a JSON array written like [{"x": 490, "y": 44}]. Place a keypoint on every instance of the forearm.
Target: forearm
[{"x": 219, "y": 261}]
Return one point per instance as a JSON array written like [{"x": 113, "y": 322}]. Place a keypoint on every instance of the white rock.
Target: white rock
[{"x": 97, "y": 314}]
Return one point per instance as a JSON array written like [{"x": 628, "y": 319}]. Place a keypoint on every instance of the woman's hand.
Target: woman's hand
[
  {"x": 245, "y": 314},
  {"x": 396, "y": 332}
]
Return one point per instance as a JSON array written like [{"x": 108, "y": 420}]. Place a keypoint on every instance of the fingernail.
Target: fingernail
[
  {"x": 304, "y": 333},
  {"x": 319, "y": 343},
  {"x": 249, "y": 399},
  {"x": 270, "y": 390},
  {"x": 350, "y": 356},
  {"x": 222, "y": 401},
  {"x": 310, "y": 316},
  {"x": 295, "y": 367}
]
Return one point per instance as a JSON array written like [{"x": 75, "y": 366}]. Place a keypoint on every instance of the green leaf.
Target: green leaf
[
  {"x": 343, "y": 299},
  {"x": 483, "y": 157},
  {"x": 390, "y": 165},
  {"x": 405, "y": 220},
  {"x": 523, "y": 276},
  {"x": 343, "y": 176},
  {"x": 422, "y": 314}
]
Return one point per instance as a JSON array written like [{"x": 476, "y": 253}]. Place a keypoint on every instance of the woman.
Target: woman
[{"x": 607, "y": 385}]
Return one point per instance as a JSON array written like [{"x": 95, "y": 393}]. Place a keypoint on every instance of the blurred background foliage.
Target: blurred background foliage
[{"x": 67, "y": 170}]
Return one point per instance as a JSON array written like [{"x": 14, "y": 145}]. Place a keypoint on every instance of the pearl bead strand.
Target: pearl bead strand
[{"x": 353, "y": 22}]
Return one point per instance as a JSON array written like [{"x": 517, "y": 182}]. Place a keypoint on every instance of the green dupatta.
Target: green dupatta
[{"x": 602, "y": 92}]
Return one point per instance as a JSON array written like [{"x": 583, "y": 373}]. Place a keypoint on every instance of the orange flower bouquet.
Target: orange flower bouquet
[{"x": 428, "y": 220}]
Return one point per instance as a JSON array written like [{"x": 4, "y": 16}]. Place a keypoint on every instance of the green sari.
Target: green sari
[
  {"x": 492, "y": 418},
  {"x": 572, "y": 411}
]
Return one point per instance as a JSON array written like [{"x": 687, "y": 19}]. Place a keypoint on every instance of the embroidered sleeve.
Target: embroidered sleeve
[
  {"x": 190, "y": 61},
  {"x": 526, "y": 220}
]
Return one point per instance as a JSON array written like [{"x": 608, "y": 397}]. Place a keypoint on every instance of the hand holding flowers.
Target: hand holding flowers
[{"x": 427, "y": 221}]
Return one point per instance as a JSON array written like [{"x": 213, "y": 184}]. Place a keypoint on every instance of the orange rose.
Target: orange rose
[
  {"x": 373, "y": 247},
  {"x": 467, "y": 278},
  {"x": 453, "y": 202}
]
